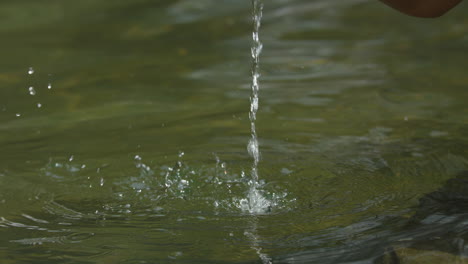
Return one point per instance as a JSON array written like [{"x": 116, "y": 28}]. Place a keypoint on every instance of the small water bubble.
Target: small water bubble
[
  {"x": 181, "y": 154},
  {"x": 32, "y": 91},
  {"x": 30, "y": 70},
  {"x": 39, "y": 105},
  {"x": 17, "y": 114},
  {"x": 49, "y": 86},
  {"x": 137, "y": 157}
]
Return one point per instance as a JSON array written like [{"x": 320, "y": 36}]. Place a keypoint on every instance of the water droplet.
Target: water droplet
[
  {"x": 31, "y": 70},
  {"x": 49, "y": 86},
  {"x": 39, "y": 105},
  {"x": 137, "y": 157},
  {"x": 18, "y": 114},
  {"x": 184, "y": 182},
  {"x": 102, "y": 182},
  {"x": 181, "y": 154},
  {"x": 71, "y": 158},
  {"x": 32, "y": 91}
]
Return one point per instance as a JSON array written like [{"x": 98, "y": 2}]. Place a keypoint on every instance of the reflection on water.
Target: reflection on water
[{"x": 123, "y": 128}]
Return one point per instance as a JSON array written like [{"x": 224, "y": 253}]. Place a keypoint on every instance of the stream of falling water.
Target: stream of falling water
[{"x": 255, "y": 203}]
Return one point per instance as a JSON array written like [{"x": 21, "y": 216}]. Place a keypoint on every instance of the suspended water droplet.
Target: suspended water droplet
[
  {"x": 32, "y": 91},
  {"x": 184, "y": 182},
  {"x": 39, "y": 105},
  {"x": 49, "y": 86},
  {"x": 30, "y": 70}
]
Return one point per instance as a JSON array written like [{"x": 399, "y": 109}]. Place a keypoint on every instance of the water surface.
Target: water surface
[{"x": 137, "y": 153}]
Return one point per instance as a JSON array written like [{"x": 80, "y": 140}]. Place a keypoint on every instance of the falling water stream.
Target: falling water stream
[{"x": 255, "y": 202}]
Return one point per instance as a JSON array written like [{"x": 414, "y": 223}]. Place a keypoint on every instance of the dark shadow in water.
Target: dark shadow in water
[
  {"x": 435, "y": 233},
  {"x": 438, "y": 230}
]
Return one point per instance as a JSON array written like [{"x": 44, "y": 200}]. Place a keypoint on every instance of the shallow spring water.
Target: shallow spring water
[{"x": 137, "y": 152}]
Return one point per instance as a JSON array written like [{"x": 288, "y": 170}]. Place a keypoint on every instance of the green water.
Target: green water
[{"x": 138, "y": 151}]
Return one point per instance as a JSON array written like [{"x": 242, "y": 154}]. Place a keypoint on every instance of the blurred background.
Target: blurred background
[{"x": 124, "y": 124}]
